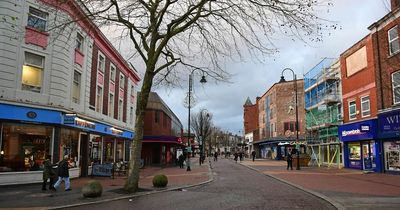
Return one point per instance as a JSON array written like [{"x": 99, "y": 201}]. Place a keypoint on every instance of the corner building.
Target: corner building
[{"x": 64, "y": 91}]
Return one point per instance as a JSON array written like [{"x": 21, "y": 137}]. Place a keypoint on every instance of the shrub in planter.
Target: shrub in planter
[
  {"x": 160, "y": 180},
  {"x": 92, "y": 189}
]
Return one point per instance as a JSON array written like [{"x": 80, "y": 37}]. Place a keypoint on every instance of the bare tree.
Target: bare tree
[
  {"x": 201, "y": 123},
  {"x": 172, "y": 37}
]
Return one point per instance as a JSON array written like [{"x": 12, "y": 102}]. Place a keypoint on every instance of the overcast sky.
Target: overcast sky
[{"x": 225, "y": 100}]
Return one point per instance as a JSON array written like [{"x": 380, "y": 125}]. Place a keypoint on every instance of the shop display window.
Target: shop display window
[
  {"x": 120, "y": 150},
  {"x": 95, "y": 145},
  {"x": 354, "y": 152},
  {"x": 24, "y": 147},
  {"x": 108, "y": 151},
  {"x": 392, "y": 155},
  {"x": 69, "y": 146}
]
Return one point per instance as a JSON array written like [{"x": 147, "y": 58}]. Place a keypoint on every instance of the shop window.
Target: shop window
[
  {"x": 108, "y": 151},
  {"x": 79, "y": 42},
  {"x": 120, "y": 109},
  {"x": 32, "y": 72},
  {"x": 112, "y": 72},
  {"x": 393, "y": 39},
  {"x": 365, "y": 107},
  {"x": 37, "y": 19},
  {"x": 354, "y": 152},
  {"x": 392, "y": 155},
  {"x": 396, "y": 87},
  {"x": 120, "y": 152},
  {"x": 99, "y": 99},
  {"x": 95, "y": 145},
  {"x": 101, "y": 62},
  {"x": 111, "y": 105},
  {"x": 69, "y": 146},
  {"x": 76, "y": 87},
  {"x": 352, "y": 110},
  {"x": 24, "y": 147}
]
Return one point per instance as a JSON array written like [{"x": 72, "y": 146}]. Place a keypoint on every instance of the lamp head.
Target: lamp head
[
  {"x": 203, "y": 79},
  {"x": 282, "y": 79}
]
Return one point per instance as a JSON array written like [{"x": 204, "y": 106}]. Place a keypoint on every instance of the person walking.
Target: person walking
[
  {"x": 289, "y": 161},
  {"x": 181, "y": 158},
  {"x": 216, "y": 156},
  {"x": 253, "y": 154},
  {"x": 240, "y": 156},
  {"x": 63, "y": 174},
  {"x": 48, "y": 173},
  {"x": 236, "y": 156}
]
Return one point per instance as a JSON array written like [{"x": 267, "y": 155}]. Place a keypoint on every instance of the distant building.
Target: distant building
[{"x": 250, "y": 123}]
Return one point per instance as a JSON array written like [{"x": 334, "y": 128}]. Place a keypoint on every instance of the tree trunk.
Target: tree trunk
[{"x": 132, "y": 183}]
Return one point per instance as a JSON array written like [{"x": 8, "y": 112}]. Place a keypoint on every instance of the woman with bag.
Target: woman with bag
[{"x": 48, "y": 173}]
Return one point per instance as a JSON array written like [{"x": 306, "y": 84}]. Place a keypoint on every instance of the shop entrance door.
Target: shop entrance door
[
  {"x": 368, "y": 154},
  {"x": 84, "y": 158}
]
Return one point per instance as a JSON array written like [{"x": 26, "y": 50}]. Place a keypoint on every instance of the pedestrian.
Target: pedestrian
[
  {"x": 48, "y": 173},
  {"x": 253, "y": 154},
  {"x": 241, "y": 156},
  {"x": 181, "y": 158},
  {"x": 216, "y": 156},
  {"x": 289, "y": 161},
  {"x": 63, "y": 174},
  {"x": 236, "y": 156}
]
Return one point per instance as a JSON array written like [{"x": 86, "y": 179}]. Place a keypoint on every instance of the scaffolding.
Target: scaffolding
[{"x": 322, "y": 95}]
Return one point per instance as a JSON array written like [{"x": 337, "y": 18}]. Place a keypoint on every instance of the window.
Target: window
[
  {"x": 157, "y": 117},
  {"x": 99, "y": 99},
  {"x": 365, "y": 107},
  {"x": 354, "y": 151},
  {"x": 32, "y": 72},
  {"x": 112, "y": 72},
  {"x": 396, "y": 87},
  {"x": 352, "y": 110},
  {"x": 289, "y": 126},
  {"x": 120, "y": 109},
  {"x": 76, "y": 87},
  {"x": 121, "y": 81},
  {"x": 132, "y": 90},
  {"x": 101, "y": 63},
  {"x": 79, "y": 42},
  {"x": 131, "y": 116},
  {"x": 111, "y": 105},
  {"x": 37, "y": 19},
  {"x": 393, "y": 37}
]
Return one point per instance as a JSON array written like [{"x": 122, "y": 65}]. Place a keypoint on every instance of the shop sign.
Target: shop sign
[
  {"x": 358, "y": 131},
  {"x": 116, "y": 131},
  {"x": 389, "y": 124},
  {"x": 31, "y": 115},
  {"x": 69, "y": 119},
  {"x": 102, "y": 170}
]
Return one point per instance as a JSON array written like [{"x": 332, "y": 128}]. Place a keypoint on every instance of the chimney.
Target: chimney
[{"x": 394, "y": 4}]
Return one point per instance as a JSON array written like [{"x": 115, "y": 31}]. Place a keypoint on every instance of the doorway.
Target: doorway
[
  {"x": 368, "y": 155},
  {"x": 84, "y": 157}
]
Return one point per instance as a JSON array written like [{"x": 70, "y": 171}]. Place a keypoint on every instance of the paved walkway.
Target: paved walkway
[
  {"x": 349, "y": 189},
  {"x": 32, "y": 197}
]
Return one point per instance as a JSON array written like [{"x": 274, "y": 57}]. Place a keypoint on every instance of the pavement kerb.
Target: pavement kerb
[
  {"x": 336, "y": 204},
  {"x": 210, "y": 179}
]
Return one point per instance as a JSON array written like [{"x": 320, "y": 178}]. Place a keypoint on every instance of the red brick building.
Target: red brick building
[
  {"x": 250, "y": 122},
  {"x": 162, "y": 133}
]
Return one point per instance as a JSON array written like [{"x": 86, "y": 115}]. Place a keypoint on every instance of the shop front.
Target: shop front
[
  {"x": 161, "y": 150},
  {"x": 389, "y": 133},
  {"x": 361, "y": 146}
]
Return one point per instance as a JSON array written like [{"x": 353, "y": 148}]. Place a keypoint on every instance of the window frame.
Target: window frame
[
  {"x": 79, "y": 41},
  {"x": 355, "y": 110},
  {"x": 391, "y": 40},
  {"x": 394, "y": 87},
  {"x": 79, "y": 83},
  {"x": 99, "y": 104},
  {"x": 29, "y": 87},
  {"x": 111, "y": 105},
  {"x": 113, "y": 71},
  {"x": 121, "y": 81},
  {"x": 369, "y": 106},
  {"x": 100, "y": 55},
  {"x": 45, "y": 19},
  {"x": 120, "y": 109}
]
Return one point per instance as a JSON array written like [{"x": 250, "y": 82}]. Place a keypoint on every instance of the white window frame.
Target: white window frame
[
  {"x": 131, "y": 115},
  {"x": 79, "y": 83},
  {"x": 111, "y": 105},
  {"x": 120, "y": 109},
  {"x": 367, "y": 112},
  {"x": 30, "y": 14},
  {"x": 394, "y": 87},
  {"x": 132, "y": 90},
  {"x": 41, "y": 67},
  {"x": 113, "y": 71},
  {"x": 393, "y": 39},
  {"x": 99, "y": 101},
  {"x": 355, "y": 111},
  {"x": 121, "y": 81},
  {"x": 103, "y": 65},
  {"x": 79, "y": 42}
]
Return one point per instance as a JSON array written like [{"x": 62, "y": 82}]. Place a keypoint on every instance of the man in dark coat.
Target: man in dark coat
[
  {"x": 181, "y": 158},
  {"x": 253, "y": 154},
  {"x": 63, "y": 174},
  {"x": 48, "y": 173},
  {"x": 289, "y": 160}
]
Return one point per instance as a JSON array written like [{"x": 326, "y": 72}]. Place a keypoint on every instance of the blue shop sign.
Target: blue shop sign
[
  {"x": 29, "y": 114},
  {"x": 389, "y": 124},
  {"x": 358, "y": 131}
]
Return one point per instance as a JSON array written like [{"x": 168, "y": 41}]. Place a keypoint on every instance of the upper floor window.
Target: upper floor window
[
  {"x": 111, "y": 105},
  {"x": 131, "y": 115},
  {"x": 132, "y": 90},
  {"x": 365, "y": 107},
  {"x": 76, "y": 87},
  {"x": 352, "y": 110},
  {"x": 157, "y": 117},
  {"x": 79, "y": 42},
  {"x": 120, "y": 109},
  {"x": 101, "y": 63},
  {"x": 393, "y": 37},
  {"x": 112, "y": 72},
  {"x": 37, "y": 19},
  {"x": 121, "y": 81},
  {"x": 99, "y": 99},
  {"x": 289, "y": 126},
  {"x": 396, "y": 87},
  {"x": 32, "y": 72}
]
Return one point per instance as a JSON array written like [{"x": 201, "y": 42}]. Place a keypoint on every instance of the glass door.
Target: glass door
[{"x": 368, "y": 151}]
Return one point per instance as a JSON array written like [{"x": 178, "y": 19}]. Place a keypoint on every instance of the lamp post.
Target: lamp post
[
  {"x": 203, "y": 80},
  {"x": 297, "y": 114}
]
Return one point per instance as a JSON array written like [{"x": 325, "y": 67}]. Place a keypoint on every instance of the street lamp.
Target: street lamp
[
  {"x": 203, "y": 80},
  {"x": 297, "y": 114}
]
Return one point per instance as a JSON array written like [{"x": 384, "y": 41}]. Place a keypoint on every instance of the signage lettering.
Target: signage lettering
[
  {"x": 393, "y": 119},
  {"x": 352, "y": 132}
]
